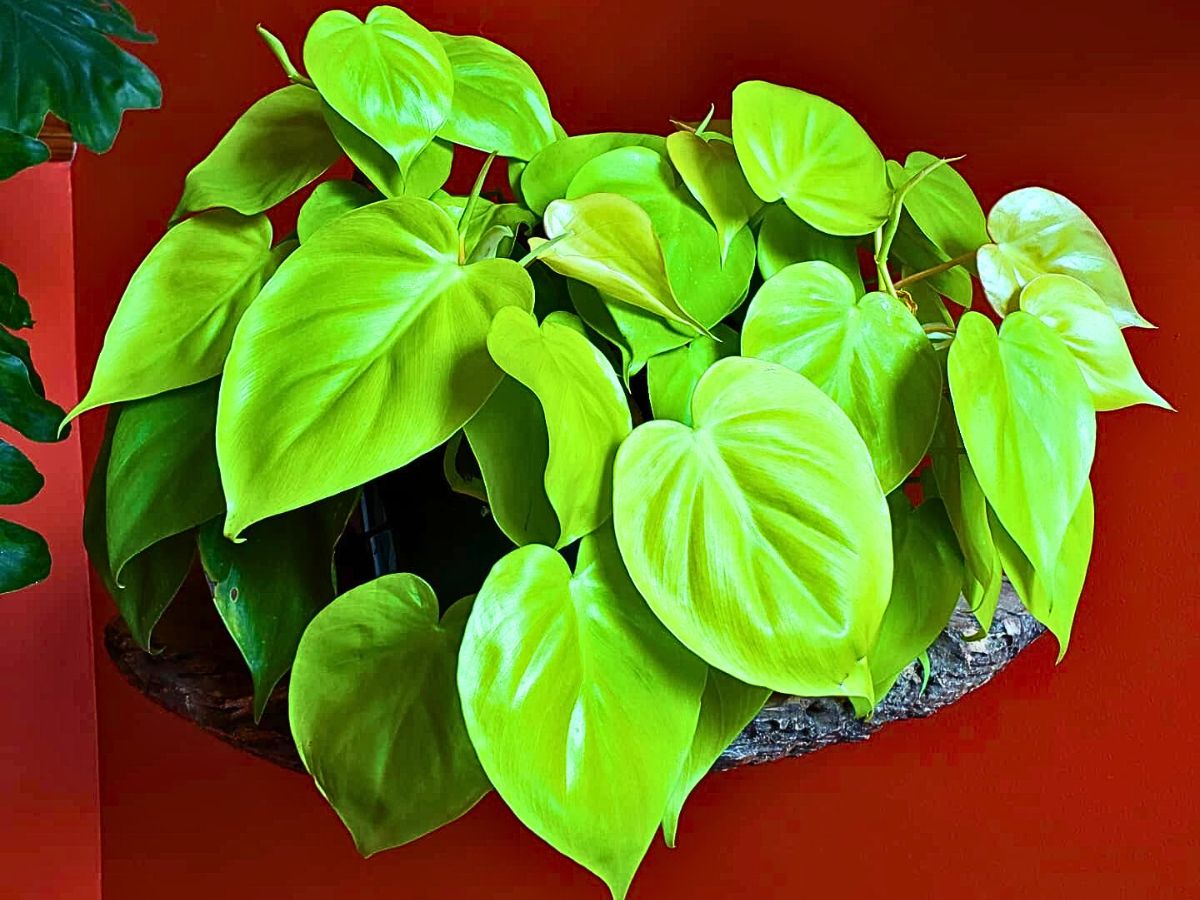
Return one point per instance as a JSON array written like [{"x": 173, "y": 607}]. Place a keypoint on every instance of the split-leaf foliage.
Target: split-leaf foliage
[{"x": 791, "y": 304}]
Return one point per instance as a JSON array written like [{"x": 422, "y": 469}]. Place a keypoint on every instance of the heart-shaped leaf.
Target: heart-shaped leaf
[
  {"x": 672, "y": 376},
  {"x": 550, "y": 172},
  {"x": 870, "y": 355},
  {"x": 376, "y": 716},
  {"x": 512, "y": 446},
  {"x": 1028, "y": 425},
  {"x": 177, "y": 317},
  {"x": 1038, "y": 232},
  {"x": 726, "y": 707},
  {"x": 14, "y": 309},
  {"x": 785, "y": 239},
  {"x": 328, "y": 201},
  {"x": 609, "y": 242},
  {"x": 64, "y": 54},
  {"x": 760, "y": 535},
  {"x": 20, "y": 480},
  {"x": 1090, "y": 332},
  {"x": 711, "y": 172},
  {"x": 162, "y": 472},
  {"x": 403, "y": 361},
  {"x": 812, "y": 154},
  {"x": 268, "y": 588},
  {"x": 24, "y": 557},
  {"x": 499, "y": 105},
  {"x": 580, "y": 704},
  {"x": 942, "y": 205},
  {"x": 427, "y": 173},
  {"x": 926, "y": 578},
  {"x": 387, "y": 76},
  {"x": 276, "y": 147},
  {"x": 586, "y": 412}
]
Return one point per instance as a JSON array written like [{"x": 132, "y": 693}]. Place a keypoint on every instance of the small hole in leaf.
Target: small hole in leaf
[{"x": 233, "y": 594}]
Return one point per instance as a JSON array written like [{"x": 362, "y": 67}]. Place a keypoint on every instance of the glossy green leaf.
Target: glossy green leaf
[
  {"x": 427, "y": 173},
  {"x": 1028, "y": 425},
  {"x": 387, "y": 76},
  {"x": 487, "y": 221},
  {"x": 499, "y": 105},
  {"x": 942, "y": 205},
  {"x": 759, "y": 536},
  {"x": 177, "y": 317},
  {"x": 1090, "y": 332},
  {"x": 162, "y": 473},
  {"x": 24, "y": 557},
  {"x": 636, "y": 335},
  {"x": 609, "y": 242},
  {"x": 586, "y": 412},
  {"x": 403, "y": 362},
  {"x": 785, "y": 239},
  {"x": 20, "y": 480},
  {"x": 812, "y": 154},
  {"x": 150, "y": 580},
  {"x": 726, "y": 707},
  {"x": 328, "y": 201},
  {"x": 66, "y": 64},
  {"x": 551, "y": 171},
  {"x": 268, "y": 588},
  {"x": 580, "y": 704},
  {"x": 19, "y": 151},
  {"x": 672, "y": 376},
  {"x": 915, "y": 253},
  {"x": 22, "y": 402},
  {"x": 711, "y": 172},
  {"x": 1038, "y": 232},
  {"x": 512, "y": 446},
  {"x": 1052, "y": 593},
  {"x": 276, "y": 147},
  {"x": 14, "y": 309},
  {"x": 376, "y": 716},
  {"x": 870, "y": 355},
  {"x": 926, "y": 578}
]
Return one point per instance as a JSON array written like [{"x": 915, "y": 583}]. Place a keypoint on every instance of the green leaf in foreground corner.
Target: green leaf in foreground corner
[
  {"x": 672, "y": 376},
  {"x": 14, "y": 309},
  {"x": 24, "y": 557},
  {"x": 177, "y": 317},
  {"x": 276, "y": 147},
  {"x": 1090, "y": 332},
  {"x": 926, "y": 578},
  {"x": 268, "y": 588},
  {"x": 1028, "y": 425},
  {"x": 1038, "y": 232},
  {"x": 387, "y": 76},
  {"x": 68, "y": 64},
  {"x": 498, "y": 105},
  {"x": 20, "y": 480},
  {"x": 711, "y": 172},
  {"x": 376, "y": 716},
  {"x": 759, "y": 536},
  {"x": 726, "y": 707},
  {"x": 812, "y": 154},
  {"x": 403, "y": 365},
  {"x": 587, "y": 415},
  {"x": 581, "y": 663},
  {"x": 550, "y": 172},
  {"x": 870, "y": 355}
]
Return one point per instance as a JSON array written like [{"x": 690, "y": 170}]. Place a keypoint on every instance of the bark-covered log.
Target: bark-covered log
[{"x": 208, "y": 684}]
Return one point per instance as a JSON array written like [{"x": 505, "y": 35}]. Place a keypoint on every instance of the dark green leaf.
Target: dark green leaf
[
  {"x": 14, "y": 309},
  {"x": 19, "y": 151},
  {"x": 19, "y": 478},
  {"x": 21, "y": 402},
  {"x": 24, "y": 557}
]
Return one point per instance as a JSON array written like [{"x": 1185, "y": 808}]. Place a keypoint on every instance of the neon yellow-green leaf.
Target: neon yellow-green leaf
[
  {"x": 1092, "y": 335},
  {"x": 1038, "y": 232},
  {"x": 1052, "y": 594},
  {"x": 784, "y": 239},
  {"x": 587, "y": 415},
  {"x": 608, "y": 242},
  {"x": 397, "y": 331},
  {"x": 672, "y": 376},
  {"x": 279, "y": 145},
  {"x": 812, "y": 154},
  {"x": 499, "y": 105},
  {"x": 328, "y": 201},
  {"x": 870, "y": 355},
  {"x": 726, "y": 707},
  {"x": 176, "y": 319},
  {"x": 388, "y": 77},
  {"x": 375, "y": 712},
  {"x": 916, "y": 253},
  {"x": 550, "y": 172},
  {"x": 759, "y": 536},
  {"x": 580, "y": 704},
  {"x": 711, "y": 172},
  {"x": 427, "y": 173},
  {"x": 942, "y": 205},
  {"x": 1028, "y": 425}
]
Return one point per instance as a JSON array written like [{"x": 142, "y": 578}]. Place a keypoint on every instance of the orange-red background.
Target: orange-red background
[{"x": 1075, "y": 781}]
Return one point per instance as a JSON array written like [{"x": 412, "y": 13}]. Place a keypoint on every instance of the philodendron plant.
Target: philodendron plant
[{"x": 698, "y": 377}]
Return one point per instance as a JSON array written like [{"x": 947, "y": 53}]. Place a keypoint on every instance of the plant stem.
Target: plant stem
[
  {"x": 936, "y": 270},
  {"x": 465, "y": 219},
  {"x": 938, "y": 328}
]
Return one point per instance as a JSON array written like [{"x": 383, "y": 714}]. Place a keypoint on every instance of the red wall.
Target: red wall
[{"x": 1073, "y": 781}]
